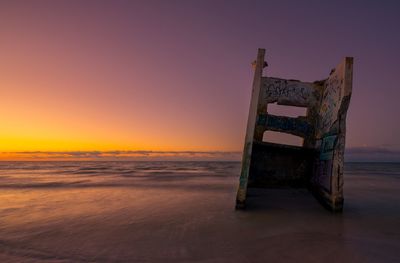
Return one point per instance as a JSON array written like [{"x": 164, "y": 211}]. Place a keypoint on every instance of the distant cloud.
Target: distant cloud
[
  {"x": 358, "y": 154},
  {"x": 122, "y": 155},
  {"x": 372, "y": 154}
]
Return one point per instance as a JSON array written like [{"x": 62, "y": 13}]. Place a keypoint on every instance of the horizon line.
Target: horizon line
[{"x": 351, "y": 154}]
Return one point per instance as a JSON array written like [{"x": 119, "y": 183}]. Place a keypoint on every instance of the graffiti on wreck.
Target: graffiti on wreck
[
  {"x": 292, "y": 125},
  {"x": 323, "y": 174},
  {"x": 261, "y": 119},
  {"x": 295, "y": 92},
  {"x": 330, "y": 102},
  {"x": 327, "y": 147},
  {"x": 317, "y": 162}
]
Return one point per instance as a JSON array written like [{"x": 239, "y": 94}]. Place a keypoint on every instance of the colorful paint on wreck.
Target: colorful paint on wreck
[{"x": 318, "y": 163}]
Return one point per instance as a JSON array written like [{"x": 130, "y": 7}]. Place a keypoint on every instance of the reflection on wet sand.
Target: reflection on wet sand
[{"x": 183, "y": 212}]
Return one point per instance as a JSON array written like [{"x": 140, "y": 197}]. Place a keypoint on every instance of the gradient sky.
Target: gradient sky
[{"x": 176, "y": 75}]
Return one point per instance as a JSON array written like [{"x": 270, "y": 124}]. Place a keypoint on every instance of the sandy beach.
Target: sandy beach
[{"x": 184, "y": 212}]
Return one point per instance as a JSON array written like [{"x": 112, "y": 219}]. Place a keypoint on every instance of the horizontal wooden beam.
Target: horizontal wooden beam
[
  {"x": 290, "y": 92},
  {"x": 297, "y": 126}
]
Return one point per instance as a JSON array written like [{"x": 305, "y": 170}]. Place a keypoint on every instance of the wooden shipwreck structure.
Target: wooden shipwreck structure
[{"x": 318, "y": 163}]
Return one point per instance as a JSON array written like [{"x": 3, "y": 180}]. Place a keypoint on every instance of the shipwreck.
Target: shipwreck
[{"x": 317, "y": 164}]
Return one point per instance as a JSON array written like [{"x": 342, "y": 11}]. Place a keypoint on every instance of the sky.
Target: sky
[{"x": 164, "y": 77}]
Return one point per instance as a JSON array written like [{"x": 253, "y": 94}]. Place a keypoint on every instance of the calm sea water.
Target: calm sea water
[
  {"x": 184, "y": 212},
  {"x": 78, "y": 174},
  {"x": 113, "y": 174}
]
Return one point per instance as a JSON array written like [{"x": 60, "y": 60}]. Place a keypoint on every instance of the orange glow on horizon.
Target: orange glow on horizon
[
  {"x": 119, "y": 156},
  {"x": 65, "y": 105},
  {"x": 78, "y": 76},
  {"x": 48, "y": 121}
]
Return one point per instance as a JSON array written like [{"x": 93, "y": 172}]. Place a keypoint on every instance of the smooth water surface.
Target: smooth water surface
[{"x": 184, "y": 212}]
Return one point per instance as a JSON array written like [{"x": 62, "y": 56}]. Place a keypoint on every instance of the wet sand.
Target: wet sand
[{"x": 189, "y": 217}]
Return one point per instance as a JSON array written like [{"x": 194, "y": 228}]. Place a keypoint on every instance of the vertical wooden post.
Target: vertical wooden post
[
  {"x": 251, "y": 123},
  {"x": 346, "y": 72}
]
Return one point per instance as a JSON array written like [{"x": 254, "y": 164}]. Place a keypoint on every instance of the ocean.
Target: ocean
[{"x": 184, "y": 212}]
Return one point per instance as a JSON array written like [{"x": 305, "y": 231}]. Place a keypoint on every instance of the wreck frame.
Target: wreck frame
[{"x": 318, "y": 164}]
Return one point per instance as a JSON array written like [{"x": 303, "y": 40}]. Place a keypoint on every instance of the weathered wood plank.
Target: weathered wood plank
[
  {"x": 251, "y": 123},
  {"x": 297, "y": 126}
]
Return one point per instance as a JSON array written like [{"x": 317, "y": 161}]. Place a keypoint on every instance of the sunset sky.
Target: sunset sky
[{"x": 170, "y": 76}]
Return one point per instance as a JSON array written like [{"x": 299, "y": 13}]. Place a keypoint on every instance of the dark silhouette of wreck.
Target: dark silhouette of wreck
[{"x": 318, "y": 163}]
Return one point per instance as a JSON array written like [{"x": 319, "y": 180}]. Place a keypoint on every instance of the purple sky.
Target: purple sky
[{"x": 182, "y": 68}]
